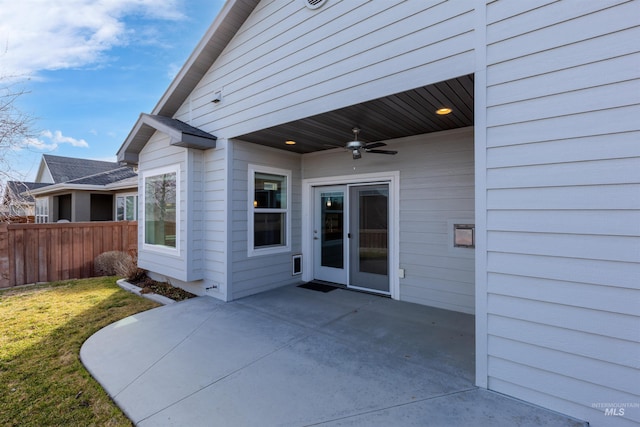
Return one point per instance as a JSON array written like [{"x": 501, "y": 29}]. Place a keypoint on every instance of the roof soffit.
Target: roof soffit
[
  {"x": 181, "y": 135},
  {"x": 225, "y": 26},
  {"x": 227, "y": 23}
]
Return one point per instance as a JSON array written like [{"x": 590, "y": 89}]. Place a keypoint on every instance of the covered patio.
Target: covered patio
[{"x": 295, "y": 357}]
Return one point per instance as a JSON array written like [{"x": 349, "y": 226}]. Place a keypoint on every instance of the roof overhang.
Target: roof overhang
[
  {"x": 58, "y": 188},
  {"x": 225, "y": 26},
  {"x": 412, "y": 112},
  {"x": 180, "y": 133},
  {"x": 131, "y": 183}
]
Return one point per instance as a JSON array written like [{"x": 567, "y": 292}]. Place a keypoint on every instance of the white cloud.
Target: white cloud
[
  {"x": 38, "y": 35},
  {"x": 37, "y": 144},
  {"x": 54, "y": 140}
]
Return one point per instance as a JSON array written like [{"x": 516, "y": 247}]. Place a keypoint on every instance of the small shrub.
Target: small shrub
[{"x": 115, "y": 263}]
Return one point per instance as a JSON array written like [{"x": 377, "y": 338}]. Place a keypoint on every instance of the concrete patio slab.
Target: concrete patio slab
[{"x": 296, "y": 357}]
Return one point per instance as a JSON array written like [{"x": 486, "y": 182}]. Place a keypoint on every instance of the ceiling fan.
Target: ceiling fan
[{"x": 357, "y": 147}]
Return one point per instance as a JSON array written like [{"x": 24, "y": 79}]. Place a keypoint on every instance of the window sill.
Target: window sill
[{"x": 269, "y": 251}]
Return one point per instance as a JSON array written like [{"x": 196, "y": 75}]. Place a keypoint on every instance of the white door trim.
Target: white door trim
[{"x": 393, "y": 178}]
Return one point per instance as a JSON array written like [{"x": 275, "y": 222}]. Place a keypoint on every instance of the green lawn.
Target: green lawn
[{"x": 42, "y": 381}]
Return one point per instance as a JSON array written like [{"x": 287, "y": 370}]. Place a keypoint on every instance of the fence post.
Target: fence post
[{"x": 5, "y": 281}]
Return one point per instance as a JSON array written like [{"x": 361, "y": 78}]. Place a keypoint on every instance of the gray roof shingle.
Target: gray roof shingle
[
  {"x": 14, "y": 189},
  {"x": 107, "y": 177},
  {"x": 65, "y": 169}
]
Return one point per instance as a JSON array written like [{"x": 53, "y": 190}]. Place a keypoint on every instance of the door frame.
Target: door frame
[{"x": 393, "y": 179}]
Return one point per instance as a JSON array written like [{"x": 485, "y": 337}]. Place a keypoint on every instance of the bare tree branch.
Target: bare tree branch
[{"x": 16, "y": 127}]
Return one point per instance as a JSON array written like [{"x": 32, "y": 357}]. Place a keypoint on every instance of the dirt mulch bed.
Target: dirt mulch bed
[{"x": 148, "y": 286}]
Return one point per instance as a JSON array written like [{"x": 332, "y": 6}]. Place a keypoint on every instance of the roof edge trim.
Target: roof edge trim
[{"x": 181, "y": 135}]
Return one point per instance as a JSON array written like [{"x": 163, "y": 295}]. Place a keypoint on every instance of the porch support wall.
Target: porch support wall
[{"x": 562, "y": 182}]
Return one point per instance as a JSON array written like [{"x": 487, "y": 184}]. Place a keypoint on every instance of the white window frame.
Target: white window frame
[
  {"x": 124, "y": 196},
  {"x": 42, "y": 210},
  {"x": 142, "y": 212},
  {"x": 251, "y": 210}
]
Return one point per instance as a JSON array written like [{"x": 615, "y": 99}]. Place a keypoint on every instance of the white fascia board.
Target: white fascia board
[
  {"x": 56, "y": 188},
  {"x": 131, "y": 183},
  {"x": 197, "y": 53}
]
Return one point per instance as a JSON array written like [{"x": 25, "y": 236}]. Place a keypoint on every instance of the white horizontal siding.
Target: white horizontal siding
[
  {"x": 594, "y": 98},
  {"x": 255, "y": 274},
  {"x": 604, "y": 323},
  {"x": 215, "y": 220},
  {"x": 582, "y": 246},
  {"x": 563, "y": 204},
  {"x": 586, "y": 222},
  {"x": 606, "y": 298},
  {"x": 573, "y": 149},
  {"x": 565, "y": 340},
  {"x": 436, "y": 188},
  {"x": 599, "y": 197},
  {"x": 569, "y": 392},
  {"x": 274, "y": 71},
  {"x": 193, "y": 220},
  {"x": 588, "y": 271},
  {"x": 567, "y": 56},
  {"x": 568, "y": 364},
  {"x": 543, "y": 29},
  {"x": 158, "y": 153},
  {"x": 601, "y": 74}
]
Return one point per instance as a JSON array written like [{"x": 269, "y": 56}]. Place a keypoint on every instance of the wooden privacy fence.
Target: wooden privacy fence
[{"x": 31, "y": 253}]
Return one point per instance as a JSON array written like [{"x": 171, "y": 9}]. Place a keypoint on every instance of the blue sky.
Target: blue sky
[{"x": 91, "y": 67}]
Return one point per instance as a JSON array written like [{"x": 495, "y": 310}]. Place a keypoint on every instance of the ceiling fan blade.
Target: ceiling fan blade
[
  {"x": 382, "y": 151},
  {"x": 375, "y": 145}
]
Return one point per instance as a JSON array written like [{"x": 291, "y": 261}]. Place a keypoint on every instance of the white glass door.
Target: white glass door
[
  {"x": 329, "y": 234},
  {"x": 369, "y": 237}
]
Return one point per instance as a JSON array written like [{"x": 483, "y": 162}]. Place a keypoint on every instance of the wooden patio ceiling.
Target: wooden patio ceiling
[{"x": 395, "y": 116}]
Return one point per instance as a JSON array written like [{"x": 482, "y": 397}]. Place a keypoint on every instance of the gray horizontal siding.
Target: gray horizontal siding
[
  {"x": 259, "y": 273},
  {"x": 436, "y": 187},
  {"x": 157, "y": 153},
  {"x": 563, "y": 204},
  {"x": 275, "y": 71}
]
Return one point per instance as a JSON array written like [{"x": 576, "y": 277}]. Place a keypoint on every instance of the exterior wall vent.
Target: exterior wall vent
[{"x": 314, "y": 4}]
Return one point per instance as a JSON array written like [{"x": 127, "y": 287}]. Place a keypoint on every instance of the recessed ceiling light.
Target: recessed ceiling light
[
  {"x": 290, "y": 142},
  {"x": 443, "y": 111}
]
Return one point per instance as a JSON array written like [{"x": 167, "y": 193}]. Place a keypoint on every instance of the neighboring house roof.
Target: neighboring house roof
[
  {"x": 227, "y": 23},
  {"x": 64, "y": 169},
  {"x": 105, "y": 178},
  {"x": 20, "y": 191},
  {"x": 181, "y": 134},
  {"x": 120, "y": 178}
]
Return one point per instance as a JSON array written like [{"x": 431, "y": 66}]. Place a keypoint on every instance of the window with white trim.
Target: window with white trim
[
  {"x": 161, "y": 201},
  {"x": 126, "y": 207},
  {"x": 42, "y": 210},
  {"x": 269, "y": 209}
]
